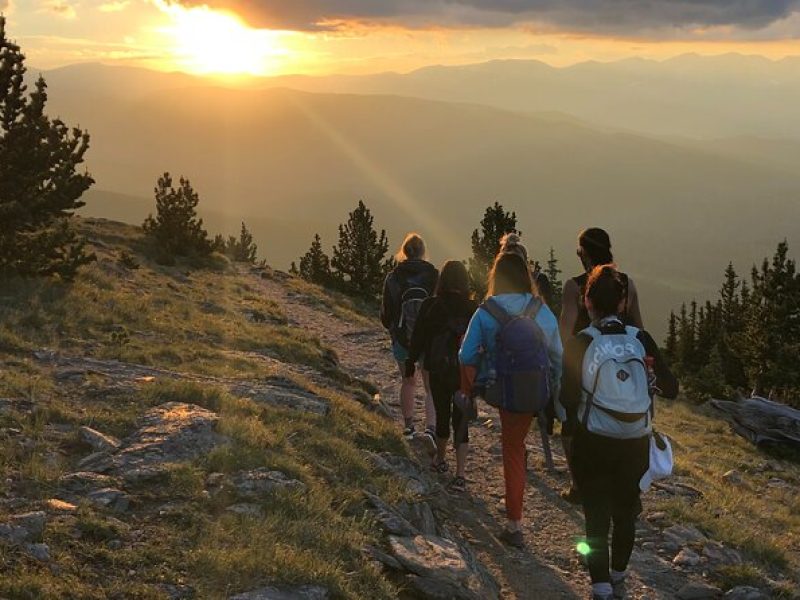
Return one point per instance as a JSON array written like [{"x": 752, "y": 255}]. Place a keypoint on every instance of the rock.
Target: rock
[
  {"x": 686, "y": 558},
  {"x": 99, "y": 441},
  {"x": 678, "y": 536},
  {"x": 422, "y": 517},
  {"x": 745, "y": 592},
  {"x": 390, "y": 518},
  {"x": 40, "y": 552},
  {"x": 246, "y": 510},
  {"x": 733, "y": 477},
  {"x": 721, "y": 555},
  {"x": 658, "y": 518},
  {"x": 98, "y": 462},
  {"x": 262, "y": 482},
  {"x": 215, "y": 479},
  {"x": 383, "y": 558},
  {"x": 303, "y": 592},
  {"x": 145, "y": 475},
  {"x": 443, "y": 568},
  {"x": 111, "y": 498},
  {"x": 282, "y": 392},
  {"x": 56, "y": 505},
  {"x": 83, "y": 481},
  {"x": 177, "y": 592},
  {"x": 169, "y": 433},
  {"x": 404, "y": 469},
  {"x": 698, "y": 591},
  {"x": 32, "y": 522},
  {"x": 114, "y": 544},
  {"x": 777, "y": 482}
]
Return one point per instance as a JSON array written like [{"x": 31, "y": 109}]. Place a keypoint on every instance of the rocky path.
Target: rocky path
[{"x": 549, "y": 566}]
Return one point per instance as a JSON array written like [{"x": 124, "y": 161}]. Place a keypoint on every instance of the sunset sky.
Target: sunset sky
[{"x": 266, "y": 37}]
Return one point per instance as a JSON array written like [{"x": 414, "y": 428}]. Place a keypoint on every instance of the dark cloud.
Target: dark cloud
[{"x": 609, "y": 16}]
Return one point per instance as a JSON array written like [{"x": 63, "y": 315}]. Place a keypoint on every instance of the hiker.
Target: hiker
[
  {"x": 611, "y": 423},
  {"x": 440, "y": 327},
  {"x": 513, "y": 350},
  {"x": 511, "y": 243},
  {"x": 594, "y": 249},
  {"x": 404, "y": 291}
]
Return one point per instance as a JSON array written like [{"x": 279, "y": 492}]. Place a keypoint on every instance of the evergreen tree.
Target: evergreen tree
[
  {"x": 671, "y": 343},
  {"x": 242, "y": 249},
  {"x": 556, "y": 285},
  {"x": 495, "y": 224},
  {"x": 686, "y": 334},
  {"x": 40, "y": 187},
  {"x": 315, "y": 265},
  {"x": 176, "y": 229},
  {"x": 358, "y": 259}
]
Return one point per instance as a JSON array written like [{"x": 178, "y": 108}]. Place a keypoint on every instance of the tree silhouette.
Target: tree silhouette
[
  {"x": 315, "y": 265},
  {"x": 556, "y": 285},
  {"x": 495, "y": 224},
  {"x": 176, "y": 229},
  {"x": 40, "y": 187},
  {"x": 358, "y": 259}
]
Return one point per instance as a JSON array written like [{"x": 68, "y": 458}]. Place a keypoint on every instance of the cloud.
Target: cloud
[
  {"x": 60, "y": 8},
  {"x": 606, "y": 16},
  {"x": 115, "y": 6}
]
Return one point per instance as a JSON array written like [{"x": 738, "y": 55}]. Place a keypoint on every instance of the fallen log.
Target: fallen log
[{"x": 762, "y": 421}]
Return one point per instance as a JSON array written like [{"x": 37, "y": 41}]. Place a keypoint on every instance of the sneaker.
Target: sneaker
[
  {"x": 572, "y": 495},
  {"x": 512, "y": 538},
  {"x": 458, "y": 485},
  {"x": 408, "y": 432},
  {"x": 440, "y": 467},
  {"x": 619, "y": 587}
]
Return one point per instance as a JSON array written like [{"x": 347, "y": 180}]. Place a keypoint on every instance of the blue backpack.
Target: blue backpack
[{"x": 521, "y": 362}]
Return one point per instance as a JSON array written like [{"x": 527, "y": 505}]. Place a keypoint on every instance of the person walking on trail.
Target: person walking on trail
[
  {"x": 511, "y": 243},
  {"x": 610, "y": 374},
  {"x": 440, "y": 327},
  {"x": 513, "y": 353},
  {"x": 404, "y": 291},
  {"x": 594, "y": 249}
]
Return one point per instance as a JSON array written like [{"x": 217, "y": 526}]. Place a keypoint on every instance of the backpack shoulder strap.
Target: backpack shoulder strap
[
  {"x": 496, "y": 311},
  {"x": 632, "y": 331},
  {"x": 592, "y": 331},
  {"x": 532, "y": 310}
]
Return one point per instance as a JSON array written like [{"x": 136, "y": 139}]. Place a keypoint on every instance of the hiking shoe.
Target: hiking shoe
[
  {"x": 408, "y": 432},
  {"x": 428, "y": 439},
  {"x": 512, "y": 538},
  {"x": 573, "y": 496},
  {"x": 440, "y": 467},
  {"x": 458, "y": 485},
  {"x": 619, "y": 587}
]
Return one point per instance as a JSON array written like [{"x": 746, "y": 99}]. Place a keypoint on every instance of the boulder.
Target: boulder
[
  {"x": 720, "y": 555},
  {"x": 745, "y": 592},
  {"x": 390, "y": 518},
  {"x": 110, "y": 498},
  {"x": 303, "y": 592},
  {"x": 23, "y": 528},
  {"x": 678, "y": 536},
  {"x": 40, "y": 552},
  {"x": 698, "y": 591},
  {"x": 83, "y": 481},
  {"x": 441, "y": 568},
  {"x": 404, "y": 469},
  {"x": 99, "y": 441},
  {"x": 284, "y": 393},
  {"x": 686, "y": 558}
]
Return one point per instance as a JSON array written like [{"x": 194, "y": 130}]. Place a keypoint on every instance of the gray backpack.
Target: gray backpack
[{"x": 616, "y": 400}]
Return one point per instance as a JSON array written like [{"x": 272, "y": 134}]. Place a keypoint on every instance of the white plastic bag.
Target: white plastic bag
[{"x": 661, "y": 460}]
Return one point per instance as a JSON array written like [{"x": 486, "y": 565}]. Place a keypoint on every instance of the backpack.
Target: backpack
[
  {"x": 411, "y": 300},
  {"x": 616, "y": 399},
  {"x": 521, "y": 361},
  {"x": 442, "y": 354}
]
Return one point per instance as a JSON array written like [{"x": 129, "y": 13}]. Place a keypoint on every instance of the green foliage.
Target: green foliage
[
  {"x": 315, "y": 266},
  {"x": 40, "y": 187},
  {"x": 556, "y": 285},
  {"x": 749, "y": 338},
  {"x": 241, "y": 249},
  {"x": 176, "y": 229},
  {"x": 495, "y": 224},
  {"x": 358, "y": 261}
]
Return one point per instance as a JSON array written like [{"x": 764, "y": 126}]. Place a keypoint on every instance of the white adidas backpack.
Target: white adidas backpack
[{"x": 616, "y": 398}]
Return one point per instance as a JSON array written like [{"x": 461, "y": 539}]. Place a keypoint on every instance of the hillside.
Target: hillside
[
  {"x": 207, "y": 432},
  {"x": 293, "y": 163}
]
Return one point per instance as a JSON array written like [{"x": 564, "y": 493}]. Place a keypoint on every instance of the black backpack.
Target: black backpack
[
  {"x": 411, "y": 299},
  {"x": 442, "y": 358}
]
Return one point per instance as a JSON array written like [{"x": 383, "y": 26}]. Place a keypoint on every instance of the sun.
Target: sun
[{"x": 208, "y": 42}]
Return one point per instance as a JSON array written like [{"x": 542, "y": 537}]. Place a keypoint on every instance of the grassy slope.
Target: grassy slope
[{"x": 192, "y": 321}]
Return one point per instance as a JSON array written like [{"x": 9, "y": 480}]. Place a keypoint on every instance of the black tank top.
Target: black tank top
[{"x": 583, "y": 320}]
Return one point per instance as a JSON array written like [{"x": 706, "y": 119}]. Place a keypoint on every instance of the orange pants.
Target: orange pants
[{"x": 515, "y": 430}]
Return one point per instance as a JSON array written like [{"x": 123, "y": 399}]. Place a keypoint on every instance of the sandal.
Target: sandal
[{"x": 458, "y": 484}]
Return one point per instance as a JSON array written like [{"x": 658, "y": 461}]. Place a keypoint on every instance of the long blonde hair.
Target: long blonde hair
[{"x": 412, "y": 248}]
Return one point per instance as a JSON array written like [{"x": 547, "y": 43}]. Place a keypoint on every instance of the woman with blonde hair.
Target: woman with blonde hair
[{"x": 405, "y": 289}]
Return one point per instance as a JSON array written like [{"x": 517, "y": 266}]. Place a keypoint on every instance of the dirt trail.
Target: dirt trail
[{"x": 549, "y": 566}]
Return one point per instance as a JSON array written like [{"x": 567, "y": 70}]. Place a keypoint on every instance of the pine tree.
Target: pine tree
[
  {"x": 671, "y": 343},
  {"x": 315, "y": 265},
  {"x": 242, "y": 249},
  {"x": 495, "y": 224},
  {"x": 556, "y": 285},
  {"x": 358, "y": 259},
  {"x": 176, "y": 229},
  {"x": 40, "y": 187}
]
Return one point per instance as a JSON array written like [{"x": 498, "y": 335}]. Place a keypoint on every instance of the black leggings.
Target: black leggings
[
  {"x": 447, "y": 413},
  {"x": 608, "y": 472}
]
